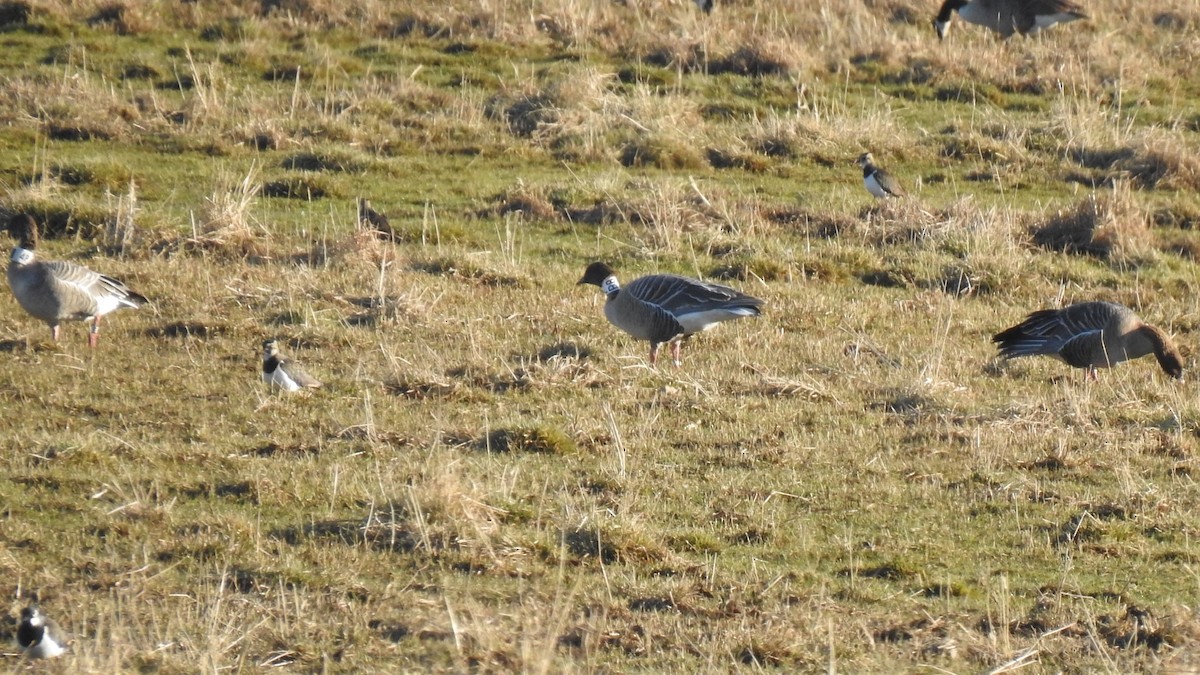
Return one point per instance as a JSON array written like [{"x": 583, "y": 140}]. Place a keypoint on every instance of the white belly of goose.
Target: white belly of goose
[
  {"x": 696, "y": 322},
  {"x": 1043, "y": 21}
]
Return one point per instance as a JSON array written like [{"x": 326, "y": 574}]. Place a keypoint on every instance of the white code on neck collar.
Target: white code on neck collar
[{"x": 22, "y": 256}]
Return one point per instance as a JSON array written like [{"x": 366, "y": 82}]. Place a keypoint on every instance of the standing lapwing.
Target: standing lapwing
[
  {"x": 57, "y": 290},
  {"x": 1090, "y": 335},
  {"x": 667, "y": 308},
  {"x": 1006, "y": 17},
  {"x": 282, "y": 372},
  {"x": 878, "y": 182},
  {"x": 375, "y": 220},
  {"x": 38, "y": 636}
]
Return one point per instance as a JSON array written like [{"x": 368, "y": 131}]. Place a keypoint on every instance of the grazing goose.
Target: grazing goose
[
  {"x": 39, "y": 637},
  {"x": 282, "y": 372},
  {"x": 878, "y": 182},
  {"x": 1006, "y": 17},
  {"x": 57, "y": 290},
  {"x": 667, "y": 308},
  {"x": 1090, "y": 335}
]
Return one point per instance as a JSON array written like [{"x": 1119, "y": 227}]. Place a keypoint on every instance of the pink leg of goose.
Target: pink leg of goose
[{"x": 94, "y": 334}]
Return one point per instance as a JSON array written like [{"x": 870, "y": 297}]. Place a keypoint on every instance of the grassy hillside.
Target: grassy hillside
[{"x": 493, "y": 478}]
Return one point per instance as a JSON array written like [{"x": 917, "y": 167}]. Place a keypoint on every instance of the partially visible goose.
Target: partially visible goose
[
  {"x": 1006, "y": 17},
  {"x": 1090, "y": 335},
  {"x": 877, "y": 181},
  {"x": 667, "y": 308},
  {"x": 57, "y": 290},
  {"x": 280, "y": 371},
  {"x": 39, "y": 637}
]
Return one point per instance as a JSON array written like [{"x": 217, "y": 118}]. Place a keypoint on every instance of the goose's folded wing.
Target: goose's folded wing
[{"x": 680, "y": 294}]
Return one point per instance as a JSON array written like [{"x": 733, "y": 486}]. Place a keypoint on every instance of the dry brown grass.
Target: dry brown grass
[{"x": 493, "y": 478}]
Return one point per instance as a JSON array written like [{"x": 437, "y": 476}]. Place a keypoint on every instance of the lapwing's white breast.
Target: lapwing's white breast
[
  {"x": 280, "y": 378},
  {"x": 46, "y": 648},
  {"x": 873, "y": 185}
]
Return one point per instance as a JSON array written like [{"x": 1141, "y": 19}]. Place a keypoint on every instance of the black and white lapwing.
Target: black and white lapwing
[
  {"x": 57, "y": 290},
  {"x": 1006, "y": 17},
  {"x": 282, "y": 372},
  {"x": 667, "y": 308},
  {"x": 38, "y": 636},
  {"x": 878, "y": 182},
  {"x": 375, "y": 220}
]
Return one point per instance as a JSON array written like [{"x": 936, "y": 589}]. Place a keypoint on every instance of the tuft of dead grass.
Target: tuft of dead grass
[{"x": 1110, "y": 226}]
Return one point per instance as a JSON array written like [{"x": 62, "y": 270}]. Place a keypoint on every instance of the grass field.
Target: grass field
[{"x": 493, "y": 478}]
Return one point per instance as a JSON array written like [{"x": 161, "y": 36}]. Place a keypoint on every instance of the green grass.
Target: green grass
[{"x": 492, "y": 477}]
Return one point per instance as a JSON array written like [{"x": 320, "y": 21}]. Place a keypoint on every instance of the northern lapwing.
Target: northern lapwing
[{"x": 282, "y": 372}]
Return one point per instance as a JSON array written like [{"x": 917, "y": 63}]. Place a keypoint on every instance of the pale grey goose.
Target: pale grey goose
[
  {"x": 282, "y": 372},
  {"x": 1006, "y": 17},
  {"x": 57, "y": 290},
  {"x": 1090, "y": 335},
  {"x": 877, "y": 181},
  {"x": 667, "y": 308},
  {"x": 39, "y": 637}
]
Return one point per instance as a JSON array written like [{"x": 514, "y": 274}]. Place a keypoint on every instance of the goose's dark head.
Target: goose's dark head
[
  {"x": 23, "y": 228},
  {"x": 595, "y": 274}
]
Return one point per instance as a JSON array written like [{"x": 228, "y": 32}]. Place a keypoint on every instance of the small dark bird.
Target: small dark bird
[
  {"x": 667, "y": 308},
  {"x": 878, "y": 182},
  {"x": 39, "y": 637},
  {"x": 57, "y": 290},
  {"x": 282, "y": 372},
  {"x": 1090, "y": 335},
  {"x": 706, "y": 5},
  {"x": 375, "y": 220},
  {"x": 1006, "y": 17}
]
